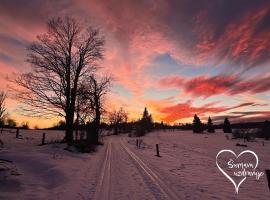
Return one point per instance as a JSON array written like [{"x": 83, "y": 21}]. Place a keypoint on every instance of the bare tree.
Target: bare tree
[
  {"x": 62, "y": 58},
  {"x": 91, "y": 104},
  {"x": 2, "y": 107},
  {"x": 24, "y": 125},
  {"x": 116, "y": 118},
  {"x": 11, "y": 123}
]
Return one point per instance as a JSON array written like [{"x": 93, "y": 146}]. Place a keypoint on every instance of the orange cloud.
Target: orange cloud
[{"x": 186, "y": 110}]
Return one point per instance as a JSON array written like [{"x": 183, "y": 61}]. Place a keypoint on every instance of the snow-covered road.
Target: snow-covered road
[{"x": 124, "y": 175}]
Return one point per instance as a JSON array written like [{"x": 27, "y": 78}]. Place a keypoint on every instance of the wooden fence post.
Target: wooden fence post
[
  {"x": 43, "y": 139},
  {"x": 17, "y": 133},
  {"x": 157, "y": 150},
  {"x": 267, "y": 171}
]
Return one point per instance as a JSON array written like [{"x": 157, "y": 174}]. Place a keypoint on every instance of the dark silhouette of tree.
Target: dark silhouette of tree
[
  {"x": 266, "y": 130},
  {"x": 210, "y": 127},
  {"x": 62, "y": 59},
  {"x": 61, "y": 125},
  {"x": 146, "y": 121},
  {"x": 91, "y": 106},
  {"x": 11, "y": 123},
  {"x": 25, "y": 125},
  {"x": 145, "y": 124},
  {"x": 116, "y": 118},
  {"x": 2, "y": 108},
  {"x": 227, "y": 126},
  {"x": 197, "y": 125},
  {"x": 145, "y": 113}
]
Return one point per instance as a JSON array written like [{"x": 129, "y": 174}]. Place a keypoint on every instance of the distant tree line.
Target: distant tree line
[
  {"x": 119, "y": 123},
  {"x": 242, "y": 130},
  {"x": 5, "y": 120}
]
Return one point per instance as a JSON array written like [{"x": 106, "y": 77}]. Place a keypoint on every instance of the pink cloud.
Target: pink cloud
[
  {"x": 137, "y": 31},
  {"x": 209, "y": 86}
]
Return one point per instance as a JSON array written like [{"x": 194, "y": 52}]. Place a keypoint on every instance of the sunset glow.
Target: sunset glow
[{"x": 177, "y": 58}]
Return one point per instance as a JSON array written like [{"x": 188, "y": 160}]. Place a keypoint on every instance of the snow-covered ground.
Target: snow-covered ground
[
  {"x": 188, "y": 164},
  {"x": 119, "y": 170}
]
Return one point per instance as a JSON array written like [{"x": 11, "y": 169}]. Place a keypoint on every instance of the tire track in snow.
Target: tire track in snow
[
  {"x": 163, "y": 188},
  {"x": 103, "y": 188}
]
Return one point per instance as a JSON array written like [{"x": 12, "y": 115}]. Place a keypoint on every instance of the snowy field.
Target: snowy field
[{"x": 119, "y": 170}]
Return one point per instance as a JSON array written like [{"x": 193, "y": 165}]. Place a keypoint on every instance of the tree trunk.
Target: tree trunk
[
  {"x": 77, "y": 122},
  {"x": 71, "y": 111},
  {"x": 93, "y": 131},
  {"x": 69, "y": 128},
  {"x": 89, "y": 136},
  {"x": 96, "y": 126},
  {"x": 115, "y": 129},
  {"x": 95, "y": 135}
]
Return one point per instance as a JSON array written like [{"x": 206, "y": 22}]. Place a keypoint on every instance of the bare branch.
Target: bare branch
[{"x": 3, "y": 113}]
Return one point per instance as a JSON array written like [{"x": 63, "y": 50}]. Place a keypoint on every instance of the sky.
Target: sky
[{"x": 176, "y": 57}]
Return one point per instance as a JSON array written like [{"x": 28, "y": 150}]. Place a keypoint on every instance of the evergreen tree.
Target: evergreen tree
[
  {"x": 197, "y": 125},
  {"x": 150, "y": 119},
  {"x": 145, "y": 124},
  {"x": 147, "y": 121},
  {"x": 266, "y": 130},
  {"x": 227, "y": 126},
  {"x": 145, "y": 113},
  {"x": 210, "y": 127}
]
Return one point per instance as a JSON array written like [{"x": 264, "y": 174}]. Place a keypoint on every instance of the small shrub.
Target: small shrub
[
  {"x": 246, "y": 134},
  {"x": 264, "y": 132},
  {"x": 84, "y": 147},
  {"x": 227, "y": 126},
  {"x": 237, "y": 133}
]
